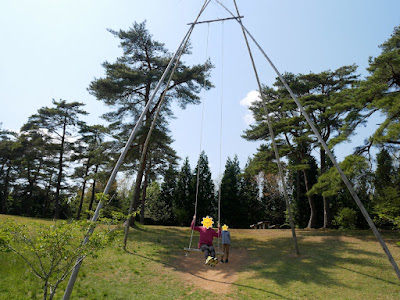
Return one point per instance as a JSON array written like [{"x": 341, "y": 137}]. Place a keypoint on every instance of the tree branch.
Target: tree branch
[{"x": 28, "y": 262}]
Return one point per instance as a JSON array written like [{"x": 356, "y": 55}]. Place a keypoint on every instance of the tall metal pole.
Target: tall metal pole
[
  {"x": 272, "y": 134},
  {"x": 75, "y": 271},
  {"x": 328, "y": 151}
]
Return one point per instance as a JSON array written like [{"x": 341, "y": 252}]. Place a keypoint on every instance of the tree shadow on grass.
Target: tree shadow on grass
[
  {"x": 173, "y": 266},
  {"x": 390, "y": 236},
  {"x": 368, "y": 275},
  {"x": 276, "y": 261},
  {"x": 274, "y": 258},
  {"x": 172, "y": 237}
]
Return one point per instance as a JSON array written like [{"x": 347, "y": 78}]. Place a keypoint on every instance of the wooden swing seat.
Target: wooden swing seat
[{"x": 198, "y": 250}]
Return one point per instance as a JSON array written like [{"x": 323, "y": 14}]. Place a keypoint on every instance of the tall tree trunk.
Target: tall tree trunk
[
  {"x": 144, "y": 197},
  {"x": 136, "y": 192},
  {"x": 93, "y": 189},
  {"x": 327, "y": 208},
  {"x": 5, "y": 191},
  {"x": 47, "y": 201},
  {"x": 2, "y": 199},
  {"x": 29, "y": 200},
  {"x": 60, "y": 171},
  {"x": 83, "y": 190},
  {"x": 138, "y": 183},
  {"x": 311, "y": 202},
  {"x": 135, "y": 199},
  {"x": 298, "y": 192}
]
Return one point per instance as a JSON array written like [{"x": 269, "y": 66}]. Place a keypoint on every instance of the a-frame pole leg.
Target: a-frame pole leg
[
  {"x": 75, "y": 270},
  {"x": 333, "y": 159},
  {"x": 150, "y": 132},
  {"x": 343, "y": 176},
  {"x": 272, "y": 134}
]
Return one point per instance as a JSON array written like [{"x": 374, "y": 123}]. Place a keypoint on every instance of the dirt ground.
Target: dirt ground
[{"x": 216, "y": 279}]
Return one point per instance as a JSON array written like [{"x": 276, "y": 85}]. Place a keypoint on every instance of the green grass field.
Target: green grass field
[{"x": 332, "y": 265}]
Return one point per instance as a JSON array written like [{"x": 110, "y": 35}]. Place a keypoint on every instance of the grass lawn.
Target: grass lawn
[{"x": 332, "y": 265}]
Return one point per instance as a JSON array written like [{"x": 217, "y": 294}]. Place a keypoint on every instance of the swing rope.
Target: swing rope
[
  {"x": 201, "y": 139},
  {"x": 220, "y": 143},
  {"x": 220, "y": 127},
  {"x": 271, "y": 132}
]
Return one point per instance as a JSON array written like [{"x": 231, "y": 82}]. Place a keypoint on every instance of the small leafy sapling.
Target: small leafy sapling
[{"x": 51, "y": 251}]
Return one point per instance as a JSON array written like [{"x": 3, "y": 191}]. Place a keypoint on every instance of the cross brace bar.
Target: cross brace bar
[{"x": 217, "y": 20}]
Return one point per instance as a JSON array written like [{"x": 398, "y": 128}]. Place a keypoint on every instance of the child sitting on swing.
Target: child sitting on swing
[{"x": 207, "y": 234}]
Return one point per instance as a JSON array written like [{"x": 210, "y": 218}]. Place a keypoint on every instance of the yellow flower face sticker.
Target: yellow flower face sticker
[
  {"x": 225, "y": 227},
  {"x": 207, "y": 222}
]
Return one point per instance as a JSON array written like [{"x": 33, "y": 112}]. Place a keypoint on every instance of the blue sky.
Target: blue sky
[{"x": 54, "y": 49}]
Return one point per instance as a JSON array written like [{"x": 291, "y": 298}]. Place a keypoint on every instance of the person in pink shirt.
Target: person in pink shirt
[{"x": 207, "y": 234}]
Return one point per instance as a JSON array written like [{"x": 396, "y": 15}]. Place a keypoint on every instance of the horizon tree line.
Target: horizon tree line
[{"x": 57, "y": 163}]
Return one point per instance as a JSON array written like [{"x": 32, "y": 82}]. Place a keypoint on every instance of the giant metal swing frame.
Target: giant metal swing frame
[{"x": 174, "y": 61}]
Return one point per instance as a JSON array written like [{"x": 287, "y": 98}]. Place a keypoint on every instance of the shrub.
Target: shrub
[
  {"x": 346, "y": 218},
  {"x": 51, "y": 251}
]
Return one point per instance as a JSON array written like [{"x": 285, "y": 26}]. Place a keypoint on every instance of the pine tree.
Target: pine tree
[
  {"x": 386, "y": 197},
  {"x": 57, "y": 121},
  {"x": 234, "y": 210},
  {"x": 128, "y": 86},
  {"x": 91, "y": 152},
  {"x": 273, "y": 200},
  {"x": 302, "y": 206},
  {"x": 37, "y": 165},
  {"x": 251, "y": 197},
  {"x": 203, "y": 186},
  {"x": 184, "y": 197},
  {"x": 167, "y": 194},
  {"x": 156, "y": 209},
  {"x": 8, "y": 171},
  {"x": 320, "y": 94},
  {"x": 330, "y": 184},
  {"x": 380, "y": 92}
]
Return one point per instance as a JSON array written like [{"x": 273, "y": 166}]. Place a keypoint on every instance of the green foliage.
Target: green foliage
[
  {"x": 263, "y": 161},
  {"x": 387, "y": 204},
  {"x": 346, "y": 218},
  {"x": 167, "y": 194},
  {"x": 330, "y": 183},
  {"x": 203, "y": 184},
  {"x": 233, "y": 208},
  {"x": 128, "y": 85},
  {"x": 8, "y": 172},
  {"x": 321, "y": 96},
  {"x": 94, "y": 154},
  {"x": 127, "y": 88},
  {"x": 57, "y": 122},
  {"x": 273, "y": 202},
  {"x": 253, "y": 207},
  {"x": 32, "y": 163},
  {"x": 387, "y": 190},
  {"x": 307, "y": 209},
  {"x": 157, "y": 209},
  {"x": 380, "y": 92},
  {"x": 51, "y": 251},
  {"x": 184, "y": 196}
]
